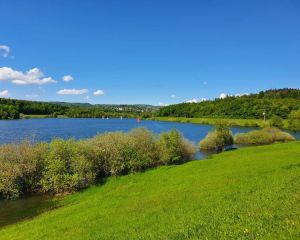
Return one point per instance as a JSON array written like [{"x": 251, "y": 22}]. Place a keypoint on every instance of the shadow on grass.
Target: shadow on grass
[{"x": 13, "y": 211}]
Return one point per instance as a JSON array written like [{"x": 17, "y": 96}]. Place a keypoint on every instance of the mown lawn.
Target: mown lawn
[{"x": 251, "y": 193}]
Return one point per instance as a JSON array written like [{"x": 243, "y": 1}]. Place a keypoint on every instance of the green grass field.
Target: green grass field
[
  {"x": 250, "y": 193},
  {"x": 213, "y": 121},
  {"x": 40, "y": 116}
]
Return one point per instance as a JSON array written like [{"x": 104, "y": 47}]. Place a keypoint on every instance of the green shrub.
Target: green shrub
[
  {"x": 294, "y": 121},
  {"x": 219, "y": 138},
  {"x": 21, "y": 168},
  {"x": 174, "y": 148},
  {"x": 264, "y": 136},
  {"x": 187, "y": 149},
  {"x": 255, "y": 137},
  {"x": 66, "y": 167},
  {"x": 276, "y": 121},
  {"x": 109, "y": 149},
  {"x": 143, "y": 152},
  {"x": 211, "y": 141}
]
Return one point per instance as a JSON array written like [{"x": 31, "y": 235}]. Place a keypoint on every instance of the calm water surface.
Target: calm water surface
[{"x": 45, "y": 129}]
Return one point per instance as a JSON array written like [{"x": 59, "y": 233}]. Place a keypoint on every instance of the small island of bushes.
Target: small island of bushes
[{"x": 221, "y": 137}]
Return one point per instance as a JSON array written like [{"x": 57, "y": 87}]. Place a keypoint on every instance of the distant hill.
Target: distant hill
[
  {"x": 279, "y": 102},
  {"x": 12, "y": 108},
  {"x": 117, "y": 107}
]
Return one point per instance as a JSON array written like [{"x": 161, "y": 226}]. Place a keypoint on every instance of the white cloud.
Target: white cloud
[
  {"x": 223, "y": 95},
  {"x": 32, "y": 76},
  {"x": 87, "y": 97},
  {"x": 33, "y": 95},
  {"x": 98, "y": 93},
  {"x": 67, "y": 78},
  {"x": 163, "y": 104},
  {"x": 173, "y": 96},
  {"x": 241, "y": 94},
  {"x": 194, "y": 100},
  {"x": 4, "y": 93},
  {"x": 203, "y": 100},
  {"x": 4, "y": 50},
  {"x": 72, "y": 91}
]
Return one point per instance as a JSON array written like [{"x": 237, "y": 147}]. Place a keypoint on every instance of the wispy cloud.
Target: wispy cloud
[
  {"x": 98, "y": 93},
  {"x": 173, "y": 96},
  {"x": 4, "y": 50},
  {"x": 32, "y": 76},
  {"x": 4, "y": 93},
  {"x": 87, "y": 97},
  {"x": 72, "y": 91},
  {"x": 67, "y": 78}
]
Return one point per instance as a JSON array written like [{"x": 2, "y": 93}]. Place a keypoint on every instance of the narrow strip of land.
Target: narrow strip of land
[{"x": 213, "y": 121}]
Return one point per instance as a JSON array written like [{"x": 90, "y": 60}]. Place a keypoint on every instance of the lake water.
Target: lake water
[{"x": 45, "y": 129}]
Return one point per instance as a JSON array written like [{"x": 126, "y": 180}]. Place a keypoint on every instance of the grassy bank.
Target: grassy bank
[
  {"x": 41, "y": 116},
  {"x": 213, "y": 121},
  {"x": 251, "y": 193}
]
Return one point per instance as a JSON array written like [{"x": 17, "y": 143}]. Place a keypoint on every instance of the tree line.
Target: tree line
[
  {"x": 14, "y": 109},
  {"x": 271, "y": 103}
]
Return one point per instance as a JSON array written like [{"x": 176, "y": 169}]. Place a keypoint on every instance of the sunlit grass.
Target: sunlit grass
[
  {"x": 213, "y": 121},
  {"x": 250, "y": 193}
]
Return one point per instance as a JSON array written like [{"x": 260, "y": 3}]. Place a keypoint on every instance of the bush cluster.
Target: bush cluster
[
  {"x": 264, "y": 136},
  {"x": 64, "y": 166},
  {"x": 218, "y": 139},
  {"x": 294, "y": 120}
]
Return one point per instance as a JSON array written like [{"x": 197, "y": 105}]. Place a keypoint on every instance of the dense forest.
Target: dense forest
[
  {"x": 14, "y": 109},
  {"x": 272, "y": 102}
]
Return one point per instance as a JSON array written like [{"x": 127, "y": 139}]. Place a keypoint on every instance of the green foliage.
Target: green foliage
[
  {"x": 214, "y": 121},
  {"x": 21, "y": 168},
  {"x": 219, "y": 138},
  {"x": 274, "y": 102},
  {"x": 143, "y": 152},
  {"x": 174, "y": 149},
  {"x": 9, "y": 112},
  {"x": 294, "y": 120},
  {"x": 276, "y": 121},
  {"x": 110, "y": 149},
  {"x": 65, "y": 166},
  {"x": 251, "y": 193},
  {"x": 264, "y": 136},
  {"x": 12, "y": 109}
]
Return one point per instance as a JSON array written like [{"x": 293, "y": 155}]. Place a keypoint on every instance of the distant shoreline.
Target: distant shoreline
[
  {"x": 212, "y": 121},
  {"x": 206, "y": 121}
]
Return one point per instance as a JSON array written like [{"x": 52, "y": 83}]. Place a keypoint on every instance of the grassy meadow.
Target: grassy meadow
[
  {"x": 213, "y": 121},
  {"x": 250, "y": 193}
]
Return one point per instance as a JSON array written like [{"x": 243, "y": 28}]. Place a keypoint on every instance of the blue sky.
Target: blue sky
[{"x": 155, "y": 52}]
